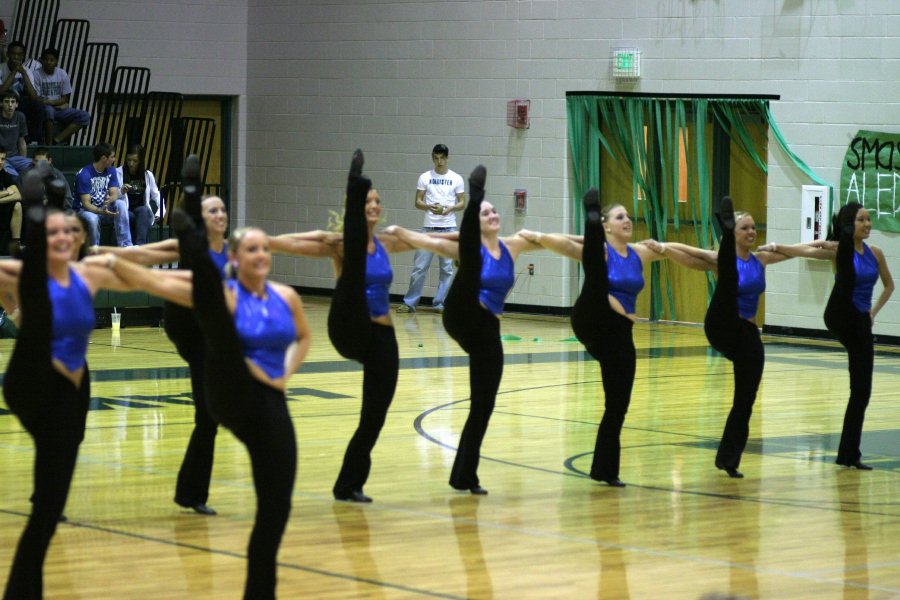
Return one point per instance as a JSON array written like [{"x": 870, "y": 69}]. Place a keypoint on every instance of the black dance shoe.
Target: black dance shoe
[
  {"x": 726, "y": 214},
  {"x": 610, "y": 481},
  {"x": 732, "y": 472},
  {"x": 478, "y": 490},
  {"x": 856, "y": 465},
  {"x": 198, "y": 507},
  {"x": 592, "y": 206},
  {"x": 354, "y": 496},
  {"x": 477, "y": 180}
]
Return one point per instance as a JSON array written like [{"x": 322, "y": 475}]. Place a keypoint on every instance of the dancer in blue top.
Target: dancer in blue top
[
  {"x": 47, "y": 381},
  {"x": 730, "y": 319},
  {"x": 604, "y": 313},
  {"x": 192, "y": 483},
  {"x": 850, "y": 313},
  {"x": 359, "y": 321},
  {"x": 256, "y": 336},
  {"x": 474, "y": 306}
]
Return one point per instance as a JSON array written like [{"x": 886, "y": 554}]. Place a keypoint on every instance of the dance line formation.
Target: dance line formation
[{"x": 243, "y": 335}]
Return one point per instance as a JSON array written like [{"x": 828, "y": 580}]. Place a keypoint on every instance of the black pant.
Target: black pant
[
  {"x": 853, "y": 330},
  {"x": 737, "y": 340},
  {"x": 51, "y": 409},
  {"x": 477, "y": 331},
  {"x": 256, "y": 413},
  {"x": 192, "y": 485},
  {"x": 355, "y": 336},
  {"x": 857, "y": 339},
  {"x": 381, "y": 365},
  {"x": 607, "y": 336}
]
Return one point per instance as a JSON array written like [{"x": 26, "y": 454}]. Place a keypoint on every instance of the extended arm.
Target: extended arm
[
  {"x": 156, "y": 253},
  {"x": 555, "y": 242},
  {"x": 316, "y": 244},
  {"x": 439, "y": 245},
  {"x": 175, "y": 288},
  {"x": 810, "y": 250},
  {"x": 699, "y": 260}
]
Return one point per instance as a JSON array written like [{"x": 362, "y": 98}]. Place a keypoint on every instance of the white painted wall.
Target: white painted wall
[{"x": 317, "y": 79}]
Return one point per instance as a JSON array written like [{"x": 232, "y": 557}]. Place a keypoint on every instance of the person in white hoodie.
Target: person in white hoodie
[{"x": 139, "y": 186}]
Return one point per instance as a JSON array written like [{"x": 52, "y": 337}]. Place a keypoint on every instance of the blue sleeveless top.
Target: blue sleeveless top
[
  {"x": 497, "y": 279},
  {"x": 626, "y": 277},
  {"x": 751, "y": 283},
  {"x": 73, "y": 320},
  {"x": 265, "y": 327},
  {"x": 866, "y": 266},
  {"x": 378, "y": 281},
  {"x": 220, "y": 259}
]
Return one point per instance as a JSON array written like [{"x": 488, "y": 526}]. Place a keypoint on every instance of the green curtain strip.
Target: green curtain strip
[{"x": 645, "y": 132}]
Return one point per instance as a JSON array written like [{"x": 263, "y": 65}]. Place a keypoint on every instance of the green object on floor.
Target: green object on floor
[
  {"x": 510, "y": 338},
  {"x": 570, "y": 339}
]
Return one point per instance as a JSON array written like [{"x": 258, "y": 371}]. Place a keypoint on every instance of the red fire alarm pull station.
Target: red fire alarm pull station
[
  {"x": 521, "y": 201},
  {"x": 517, "y": 114}
]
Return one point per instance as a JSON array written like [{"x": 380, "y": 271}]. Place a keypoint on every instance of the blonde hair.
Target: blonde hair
[
  {"x": 336, "y": 219},
  {"x": 740, "y": 214},
  {"x": 234, "y": 242}
]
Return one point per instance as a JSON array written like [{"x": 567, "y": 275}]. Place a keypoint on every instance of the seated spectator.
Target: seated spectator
[
  {"x": 54, "y": 88},
  {"x": 13, "y": 130},
  {"x": 10, "y": 203},
  {"x": 16, "y": 77},
  {"x": 97, "y": 196},
  {"x": 140, "y": 187},
  {"x": 43, "y": 160}
]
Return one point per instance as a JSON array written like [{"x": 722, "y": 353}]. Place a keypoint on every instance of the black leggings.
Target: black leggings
[
  {"x": 607, "y": 336},
  {"x": 256, "y": 413},
  {"x": 737, "y": 340},
  {"x": 380, "y": 368},
  {"x": 853, "y": 330},
  {"x": 355, "y": 336},
  {"x": 477, "y": 331},
  {"x": 51, "y": 409},
  {"x": 192, "y": 486}
]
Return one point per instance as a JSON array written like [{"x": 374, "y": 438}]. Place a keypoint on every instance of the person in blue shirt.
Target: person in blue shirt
[
  {"x": 359, "y": 320},
  {"x": 47, "y": 380},
  {"x": 730, "y": 323},
  {"x": 473, "y": 310},
  {"x": 604, "y": 313},
  {"x": 97, "y": 196},
  {"x": 850, "y": 313},
  {"x": 256, "y": 336}
]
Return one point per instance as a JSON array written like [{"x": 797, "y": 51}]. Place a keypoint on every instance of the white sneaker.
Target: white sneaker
[{"x": 405, "y": 308}]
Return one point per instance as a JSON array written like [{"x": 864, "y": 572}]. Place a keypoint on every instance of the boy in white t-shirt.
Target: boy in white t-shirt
[{"x": 440, "y": 193}]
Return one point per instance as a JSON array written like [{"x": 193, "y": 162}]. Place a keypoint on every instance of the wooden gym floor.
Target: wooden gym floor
[{"x": 796, "y": 527}]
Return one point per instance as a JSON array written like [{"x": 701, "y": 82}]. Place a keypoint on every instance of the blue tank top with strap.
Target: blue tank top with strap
[
  {"x": 220, "y": 259},
  {"x": 265, "y": 327},
  {"x": 626, "y": 277},
  {"x": 497, "y": 278},
  {"x": 751, "y": 283},
  {"x": 866, "y": 267},
  {"x": 73, "y": 320},
  {"x": 378, "y": 281}
]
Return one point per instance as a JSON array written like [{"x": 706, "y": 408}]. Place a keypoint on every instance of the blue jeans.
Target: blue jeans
[
  {"x": 140, "y": 220},
  {"x": 421, "y": 262},
  {"x": 119, "y": 220},
  {"x": 17, "y": 165}
]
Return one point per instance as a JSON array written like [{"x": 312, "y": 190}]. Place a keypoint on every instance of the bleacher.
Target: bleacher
[{"x": 124, "y": 111}]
